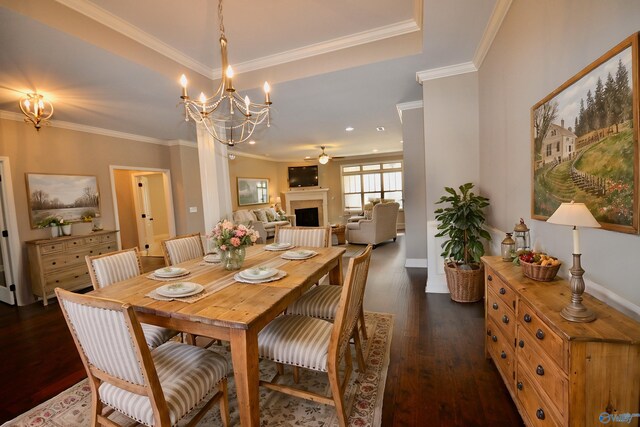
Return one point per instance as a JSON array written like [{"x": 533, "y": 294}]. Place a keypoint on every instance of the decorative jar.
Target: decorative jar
[
  {"x": 508, "y": 248},
  {"x": 233, "y": 257},
  {"x": 522, "y": 236}
]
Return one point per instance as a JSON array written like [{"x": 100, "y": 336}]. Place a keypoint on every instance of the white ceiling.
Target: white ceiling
[{"x": 114, "y": 64}]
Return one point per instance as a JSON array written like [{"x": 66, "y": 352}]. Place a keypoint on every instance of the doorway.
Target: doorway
[
  {"x": 143, "y": 208},
  {"x": 10, "y": 252}
]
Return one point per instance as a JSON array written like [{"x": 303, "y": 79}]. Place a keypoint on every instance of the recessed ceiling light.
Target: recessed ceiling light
[
  {"x": 307, "y": 157},
  {"x": 375, "y": 150},
  {"x": 380, "y": 128},
  {"x": 252, "y": 142},
  {"x": 349, "y": 128}
]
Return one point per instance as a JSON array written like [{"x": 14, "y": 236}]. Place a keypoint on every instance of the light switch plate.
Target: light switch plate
[{"x": 193, "y": 209}]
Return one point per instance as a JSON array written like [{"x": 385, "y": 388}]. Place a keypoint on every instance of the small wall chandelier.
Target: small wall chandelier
[
  {"x": 37, "y": 109},
  {"x": 228, "y": 117}
]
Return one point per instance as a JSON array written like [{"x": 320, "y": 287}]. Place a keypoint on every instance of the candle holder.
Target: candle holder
[{"x": 576, "y": 311}]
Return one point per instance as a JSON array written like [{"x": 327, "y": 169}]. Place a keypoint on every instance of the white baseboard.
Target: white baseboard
[
  {"x": 415, "y": 263},
  {"x": 435, "y": 286}
]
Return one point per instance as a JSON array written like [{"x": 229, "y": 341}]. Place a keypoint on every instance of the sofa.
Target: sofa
[
  {"x": 264, "y": 220},
  {"x": 381, "y": 226}
]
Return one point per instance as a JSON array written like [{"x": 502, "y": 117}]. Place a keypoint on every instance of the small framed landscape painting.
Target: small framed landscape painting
[
  {"x": 72, "y": 198},
  {"x": 585, "y": 142},
  {"x": 253, "y": 191}
]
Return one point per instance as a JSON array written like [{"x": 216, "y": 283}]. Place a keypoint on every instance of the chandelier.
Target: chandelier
[
  {"x": 227, "y": 116},
  {"x": 37, "y": 109}
]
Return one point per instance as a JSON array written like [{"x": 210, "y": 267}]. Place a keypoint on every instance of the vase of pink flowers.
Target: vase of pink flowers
[{"x": 231, "y": 241}]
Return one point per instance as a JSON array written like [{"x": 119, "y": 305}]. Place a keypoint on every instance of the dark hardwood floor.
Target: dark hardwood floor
[{"x": 438, "y": 375}]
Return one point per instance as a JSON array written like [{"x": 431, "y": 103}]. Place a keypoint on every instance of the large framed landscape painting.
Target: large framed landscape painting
[
  {"x": 253, "y": 191},
  {"x": 585, "y": 142},
  {"x": 72, "y": 198}
]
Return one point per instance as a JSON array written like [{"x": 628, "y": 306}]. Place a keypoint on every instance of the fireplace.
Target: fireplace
[
  {"x": 305, "y": 199},
  {"x": 307, "y": 217}
]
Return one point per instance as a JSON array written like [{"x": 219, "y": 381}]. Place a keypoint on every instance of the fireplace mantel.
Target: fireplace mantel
[{"x": 319, "y": 194}]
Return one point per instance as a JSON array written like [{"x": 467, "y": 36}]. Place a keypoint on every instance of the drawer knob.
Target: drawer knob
[
  {"x": 540, "y": 414},
  {"x": 489, "y": 278},
  {"x": 503, "y": 355},
  {"x": 488, "y": 332},
  {"x": 494, "y": 339},
  {"x": 505, "y": 319},
  {"x": 540, "y": 370},
  {"x": 540, "y": 334},
  {"x": 495, "y": 305},
  {"x": 527, "y": 318},
  {"x": 520, "y": 386},
  {"x": 503, "y": 291},
  {"x": 521, "y": 343}
]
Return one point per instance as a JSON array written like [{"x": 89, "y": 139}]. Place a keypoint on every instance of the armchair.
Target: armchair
[{"x": 381, "y": 226}]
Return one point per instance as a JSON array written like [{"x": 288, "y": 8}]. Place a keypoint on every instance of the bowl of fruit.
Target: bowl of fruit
[{"x": 538, "y": 266}]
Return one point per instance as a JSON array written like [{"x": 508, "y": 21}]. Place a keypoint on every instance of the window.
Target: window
[
  {"x": 558, "y": 146},
  {"x": 365, "y": 182},
  {"x": 548, "y": 149}
]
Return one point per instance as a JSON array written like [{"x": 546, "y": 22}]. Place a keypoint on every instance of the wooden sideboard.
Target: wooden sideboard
[
  {"x": 559, "y": 373},
  {"x": 60, "y": 262}
]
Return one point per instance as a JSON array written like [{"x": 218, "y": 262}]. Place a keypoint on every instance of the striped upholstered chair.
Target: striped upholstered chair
[
  {"x": 316, "y": 344},
  {"x": 125, "y": 375},
  {"x": 316, "y": 237},
  {"x": 182, "y": 248},
  {"x": 113, "y": 267}
]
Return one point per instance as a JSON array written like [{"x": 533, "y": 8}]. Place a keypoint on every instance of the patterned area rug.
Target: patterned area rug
[{"x": 364, "y": 393}]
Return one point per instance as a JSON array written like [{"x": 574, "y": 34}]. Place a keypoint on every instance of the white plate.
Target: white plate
[
  {"x": 258, "y": 273},
  {"x": 212, "y": 258},
  {"x": 179, "y": 289},
  {"x": 170, "y": 272},
  {"x": 280, "y": 274},
  {"x": 299, "y": 254},
  {"x": 278, "y": 246}
]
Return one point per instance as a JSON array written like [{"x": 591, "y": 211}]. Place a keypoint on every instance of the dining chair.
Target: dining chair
[
  {"x": 317, "y": 344},
  {"x": 317, "y": 237},
  {"x": 112, "y": 267},
  {"x": 182, "y": 248},
  {"x": 153, "y": 387}
]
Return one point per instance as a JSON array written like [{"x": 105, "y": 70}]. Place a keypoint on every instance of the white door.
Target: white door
[
  {"x": 151, "y": 211},
  {"x": 7, "y": 286}
]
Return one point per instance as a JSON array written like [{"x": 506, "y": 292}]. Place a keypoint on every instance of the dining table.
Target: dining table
[{"x": 228, "y": 309}]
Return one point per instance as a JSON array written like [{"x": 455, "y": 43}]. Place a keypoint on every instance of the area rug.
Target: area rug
[{"x": 363, "y": 396}]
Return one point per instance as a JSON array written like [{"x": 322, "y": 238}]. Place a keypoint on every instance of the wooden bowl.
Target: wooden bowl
[{"x": 541, "y": 273}]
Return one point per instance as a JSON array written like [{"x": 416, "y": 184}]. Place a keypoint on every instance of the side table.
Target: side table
[{"x": 338, "y": 231}]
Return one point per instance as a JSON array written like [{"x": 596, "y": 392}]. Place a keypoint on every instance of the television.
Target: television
[{"x": 303, "y": 176}]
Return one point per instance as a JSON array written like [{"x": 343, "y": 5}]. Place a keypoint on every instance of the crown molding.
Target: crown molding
[
  {"x": 182, "y": 143},
  {"x": 364, "y": 37},
  {"x": 121, "y": 26},
  {"x": 408, "y": 106},
  {"x": 500, "y": 10},
  {"x": 257, "y": 156},
  {"x": 10, "y": 115},
  {"x": 448, "y": 71}
]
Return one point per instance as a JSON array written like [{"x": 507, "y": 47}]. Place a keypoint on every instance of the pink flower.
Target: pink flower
[
  {"x": 223, "y": 247},
  {"x": 227, "y": 225},
  {"x": 253, "y": 238},
  {"x": 240, "y": 232},
  {"x": 235, "y": 241}
]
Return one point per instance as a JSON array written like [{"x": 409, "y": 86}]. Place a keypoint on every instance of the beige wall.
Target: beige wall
[
  {"x": 248, "y": 167},
  {"x": 61, "y": 151},
  {"x": 540, "y": 45},
  {"x": 186, "y": 189}
]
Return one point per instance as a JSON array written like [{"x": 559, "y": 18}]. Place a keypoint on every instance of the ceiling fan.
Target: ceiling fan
[{"x": 324, "y": 158}]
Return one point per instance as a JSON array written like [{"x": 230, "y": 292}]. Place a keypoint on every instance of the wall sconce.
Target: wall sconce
[{"x": 37, "y": 109}]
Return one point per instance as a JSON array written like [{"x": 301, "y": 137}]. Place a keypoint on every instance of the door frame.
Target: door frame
[
  {"x": 13, "y": 241},
  {"x": 166, "y": 174}
]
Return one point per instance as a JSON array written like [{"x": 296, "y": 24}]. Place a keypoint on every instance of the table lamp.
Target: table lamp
[{"x": 575, "y": 215}]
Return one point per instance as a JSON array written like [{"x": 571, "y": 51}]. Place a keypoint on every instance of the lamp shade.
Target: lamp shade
[
  {"x": 278, "y": 200},
  {"x": 323, "y": 159},
  {"x": 574, "y": 214}
]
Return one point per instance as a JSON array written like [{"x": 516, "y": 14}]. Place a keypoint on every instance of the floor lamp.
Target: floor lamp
[{"x": 575, "y": 215}]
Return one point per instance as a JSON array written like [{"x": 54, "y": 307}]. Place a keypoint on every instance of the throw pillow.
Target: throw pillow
[
  {"x": 261, "y": 215},
  {"x": 270, "y": 216}
]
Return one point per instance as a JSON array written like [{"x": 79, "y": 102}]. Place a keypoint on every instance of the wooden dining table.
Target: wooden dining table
[{"x": 230, "y": 310}]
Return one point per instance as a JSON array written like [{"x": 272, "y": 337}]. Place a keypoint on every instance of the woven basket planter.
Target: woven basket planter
[
  {"x": 465, "y": 285},
  {"x": 539, "y": 272}
]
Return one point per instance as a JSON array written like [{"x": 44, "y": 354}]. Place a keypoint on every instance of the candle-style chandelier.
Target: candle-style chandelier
[
  {"x": 37, "y": 109},
  {"x": 228, "y": 117}
]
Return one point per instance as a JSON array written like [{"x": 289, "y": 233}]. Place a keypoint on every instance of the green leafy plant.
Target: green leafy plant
[
  {"x": 461, "y": 222},
  {"x": 50, "y": 221}
]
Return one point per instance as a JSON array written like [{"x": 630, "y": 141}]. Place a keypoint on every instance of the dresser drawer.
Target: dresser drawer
[
  {"x": 51, "y": 247},
  {"x": 501, "y": 350},
  {"x": 549, "y": 379},
  {"x": 93, "y": 240},
  {"x": 73, "y": 244},
  {"x": 67, "y": 278},
  {"x": 501, "y": 314},
  {"x": 549, "y": 341},
  {"x": 108, "y": 238},
  {"x": 502, "y": 290},
  {"x": 536, "y": 408}
]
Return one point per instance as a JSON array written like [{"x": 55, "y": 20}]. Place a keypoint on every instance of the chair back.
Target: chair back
[
  {"x": 385, "y": 217},
  {"x": 350, "y": 305},
  {"x": 113, "y": 267},
  {"x": 317, "y": 237},
  {"x": 110, "y": 342},
  {"x": 182, "y": 248}
]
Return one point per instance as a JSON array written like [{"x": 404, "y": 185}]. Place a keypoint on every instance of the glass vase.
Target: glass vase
[{"x": 233, "y": 258}]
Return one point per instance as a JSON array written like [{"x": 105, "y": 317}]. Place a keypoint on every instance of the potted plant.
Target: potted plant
[
  {"x": 461, "y": 223},
  {"x": 52, "y": 222},
  {"x": 231, "y": 240}
]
